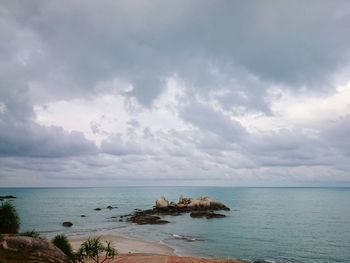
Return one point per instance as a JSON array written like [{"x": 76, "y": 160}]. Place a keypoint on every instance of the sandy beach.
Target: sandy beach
[
  {"x": 126, "y": 245},
  {"x": 131, "y": 250}
]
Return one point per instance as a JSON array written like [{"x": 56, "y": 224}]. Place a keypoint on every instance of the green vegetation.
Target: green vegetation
[
  {"x": 62, "y": 243},
  {"x": 9, "y": 220},
  {"x": 32, "y": 233},
  {"x": 95, "y": 250},
  {"x": 91, "y": 250}
]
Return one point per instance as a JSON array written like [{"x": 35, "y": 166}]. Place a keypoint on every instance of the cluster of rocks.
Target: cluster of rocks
[
  {"x": 188, "y": 204},
  {"x": 69, "y": 224},
  {"x": 108, "y": 207},
  {"x": 198, "y": 208},
  {"x": 202, "y": 207}
]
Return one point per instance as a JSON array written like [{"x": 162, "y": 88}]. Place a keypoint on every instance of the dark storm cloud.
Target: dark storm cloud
[{"x": 144, "y": 42}]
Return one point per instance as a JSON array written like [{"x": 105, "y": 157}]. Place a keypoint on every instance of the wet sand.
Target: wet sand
[
  {"x": 132, "y": 250},
  {"x": 126, "y": 245}
]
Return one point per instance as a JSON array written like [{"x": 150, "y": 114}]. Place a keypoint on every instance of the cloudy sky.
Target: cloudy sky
[{"x": 240, "y": 93}]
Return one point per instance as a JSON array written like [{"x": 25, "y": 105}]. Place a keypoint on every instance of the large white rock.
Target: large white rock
[
  {"x": 205, "y": 202},
  {"x": 162, "y": 202}
]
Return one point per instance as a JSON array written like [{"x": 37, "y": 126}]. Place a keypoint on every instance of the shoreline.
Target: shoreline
[
  {"x": 133, "y": 250},
  {"x": 128, "y": 245},
  {"x": 33, "y": 249}
]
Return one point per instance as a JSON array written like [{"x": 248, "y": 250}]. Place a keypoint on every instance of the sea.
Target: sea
[{"x": 274, "y": 224}]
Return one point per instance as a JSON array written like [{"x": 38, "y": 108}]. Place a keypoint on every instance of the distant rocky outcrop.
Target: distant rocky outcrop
[
  {"x": 15, "y": 249},
  {"x": 199, "y": 207},
  {"x": 188, "y": 204},
  {"x": 2, "y": 197}
]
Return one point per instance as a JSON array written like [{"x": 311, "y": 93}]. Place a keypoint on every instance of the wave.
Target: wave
[{"x": 187, "y": 238}]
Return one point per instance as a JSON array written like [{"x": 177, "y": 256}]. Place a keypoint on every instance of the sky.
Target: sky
[{"x": 206, "y": 93}]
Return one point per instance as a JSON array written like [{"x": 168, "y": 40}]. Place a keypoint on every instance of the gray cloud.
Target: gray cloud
[
  {"x": 336, "y": 134},
  {"x": 287, "y": 148},
  {"x": 116, "y": 147},
  {"x": 227, "y": 54},
  {"x": 144, "y": 42},
  {"x": 206, "y": 118},
  {"x": 31, "y": 140}
]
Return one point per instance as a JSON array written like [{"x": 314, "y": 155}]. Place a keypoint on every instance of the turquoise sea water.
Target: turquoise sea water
[{"x": 278, "y": 224}]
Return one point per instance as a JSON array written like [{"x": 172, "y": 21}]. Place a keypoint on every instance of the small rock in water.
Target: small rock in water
[
  {"x": 83, "y": 216},
  {"x": 198, "y": 214},
  {"x": 143, "y": 219},
  {"x": 67, "y": 224},
  {"x": 97, "y": 209},
  {"x": 109, "y": 207},
  {"x": 208, "y": 215},
  {"x": 214, "y": 215}
]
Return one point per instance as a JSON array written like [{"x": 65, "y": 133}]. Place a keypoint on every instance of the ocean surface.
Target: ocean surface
[{"x": 275, "y": 224}]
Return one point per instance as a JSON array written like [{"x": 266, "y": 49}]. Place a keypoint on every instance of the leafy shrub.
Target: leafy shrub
[
  {"x": 9, "y": 220},
  {"x": 94, "y": 249},
  {"x": 62, "y": 243},
  {"x": 32, "y": 233}
]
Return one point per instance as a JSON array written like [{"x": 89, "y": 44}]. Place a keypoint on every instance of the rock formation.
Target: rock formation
[
  {"x": 162, "y": 202},
  {"x": 143, "y": 219},
  {"x": 189, "y": 204},
  {"x": 206, "y": 214},
  {"x": 15, "y": 249},
  {"x": 67, "y": 224},
  {"x": 200, "y": 207}
]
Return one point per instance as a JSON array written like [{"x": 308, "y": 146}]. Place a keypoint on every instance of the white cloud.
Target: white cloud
[{"x": 303, "y": 109}]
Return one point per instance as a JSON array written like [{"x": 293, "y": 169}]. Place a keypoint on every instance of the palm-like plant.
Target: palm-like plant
[
  {"x": 62, "y": 243},
  {"x": 9, "y": 220},
  {"x": 94, "y": 249}
]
